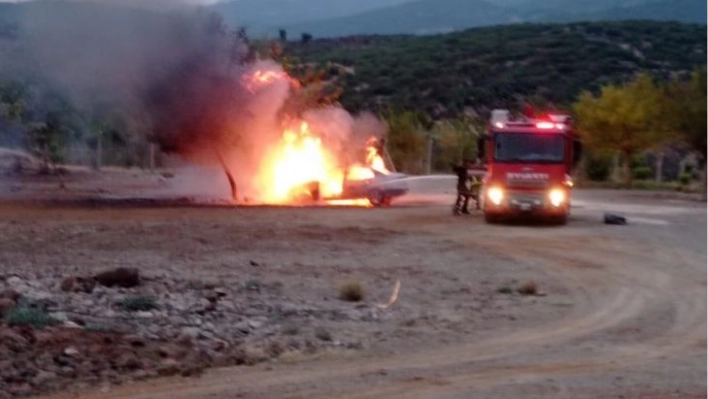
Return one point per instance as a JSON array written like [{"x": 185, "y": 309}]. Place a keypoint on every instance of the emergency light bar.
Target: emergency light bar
[
  {"x": 550, "y": 125},
  {"x": 539, "y": 125}
]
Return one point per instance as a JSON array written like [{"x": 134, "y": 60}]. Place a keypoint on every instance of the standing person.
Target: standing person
[
  {"x": 463, "y": 190},
  {"x": 478, "y": 171}
]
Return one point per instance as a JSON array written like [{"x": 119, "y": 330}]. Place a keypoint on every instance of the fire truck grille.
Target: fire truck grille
[{"x": 520, "y": 183}]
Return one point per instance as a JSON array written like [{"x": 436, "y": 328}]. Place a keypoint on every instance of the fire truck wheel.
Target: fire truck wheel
[
  {"x": 490, "y": 218},
  {"x": 561, "y": 220}
]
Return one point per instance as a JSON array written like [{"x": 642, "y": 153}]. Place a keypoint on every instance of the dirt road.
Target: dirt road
[{"x": 622, "y": 315}]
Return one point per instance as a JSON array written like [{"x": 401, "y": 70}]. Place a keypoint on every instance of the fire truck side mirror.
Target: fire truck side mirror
[{"x": 577, "y": 152}]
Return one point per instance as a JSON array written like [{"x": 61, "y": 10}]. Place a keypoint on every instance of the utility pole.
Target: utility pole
[
  {"x": 429, "y": 167},
  {"x": 152, "y": 158},
  {"x": 659, "y": 166},
  {"x": 99, "y": 150}
]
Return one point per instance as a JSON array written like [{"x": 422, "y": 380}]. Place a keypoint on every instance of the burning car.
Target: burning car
[
  {"x": 360, "y": 187},
  {"x": 379, "y": 190}
]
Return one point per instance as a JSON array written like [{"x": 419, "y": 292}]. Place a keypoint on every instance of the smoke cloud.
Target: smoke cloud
[{"x": 179, "y": 78}]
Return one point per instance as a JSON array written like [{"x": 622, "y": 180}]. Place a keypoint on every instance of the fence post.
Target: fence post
[{"x": 429, "y": 167}]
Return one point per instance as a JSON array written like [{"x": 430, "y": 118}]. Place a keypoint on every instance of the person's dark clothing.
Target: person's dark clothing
[{"x": 463, "y": 190}]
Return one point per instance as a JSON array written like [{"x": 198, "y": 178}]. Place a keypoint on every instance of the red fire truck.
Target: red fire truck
[{"x": 529, "y": 161}]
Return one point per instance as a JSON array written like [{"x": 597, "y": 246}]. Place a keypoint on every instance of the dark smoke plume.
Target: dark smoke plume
[
  {"x": 177, "y": 78},
  {"x": 175, "y": 75}
]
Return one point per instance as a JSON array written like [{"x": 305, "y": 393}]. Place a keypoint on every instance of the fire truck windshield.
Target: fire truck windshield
[{"x": 529, "y": 147}]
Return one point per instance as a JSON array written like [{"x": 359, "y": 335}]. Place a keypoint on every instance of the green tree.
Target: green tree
[
  {"x": 456, "y": 140},
  {"x": 46, "y": 140},
  {"x": 686, "y": 111},
  {"x": 406, "y": 141},
  {"x": 624, "y": 118}
]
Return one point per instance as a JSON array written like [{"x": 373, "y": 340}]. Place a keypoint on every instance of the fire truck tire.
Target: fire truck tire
[
  {"x": 561, "y": 220},
  {"x": 491, "y": 218}
]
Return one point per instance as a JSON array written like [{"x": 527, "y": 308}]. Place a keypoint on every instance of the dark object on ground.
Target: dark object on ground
[
  {"x": 615, "y": 219},
  {"x": 121, "y": 277}
]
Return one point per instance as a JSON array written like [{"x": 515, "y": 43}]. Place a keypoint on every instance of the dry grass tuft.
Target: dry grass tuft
[
  {"x": 351, "y": 291},
  {"x": 528, "y": 288}
]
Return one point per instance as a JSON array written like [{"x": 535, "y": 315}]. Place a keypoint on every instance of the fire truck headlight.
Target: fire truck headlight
[
  {"x": 496, "y": 195},
  {"x": 557, "y": 197}
]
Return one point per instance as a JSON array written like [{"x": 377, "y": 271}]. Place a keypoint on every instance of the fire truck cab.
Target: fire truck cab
[{"x": 529, "y": 163}]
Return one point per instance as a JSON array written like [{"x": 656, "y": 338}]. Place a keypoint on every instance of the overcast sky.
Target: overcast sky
[{"x": 134, "y": 1}]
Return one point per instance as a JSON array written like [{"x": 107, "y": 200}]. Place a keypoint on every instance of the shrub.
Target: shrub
[
  {"x": 504, "y": 290},
  {"x": 685, "y": 178},
  {"x": 274, "y": 349},
  {"x": 528, "y": 288},
  {"x": 598, "y": 167},
  {"x": 138, "y": 304},
  {"x": 642, "y": 172},
  {"x": 36, "y": 318},
  {"x": 351, "y": 291}
]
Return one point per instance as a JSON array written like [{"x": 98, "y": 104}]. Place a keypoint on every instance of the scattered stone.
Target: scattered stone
[
  {"x": 211, "y": 298},
  {"x": 135, "y": 341},
  {"x": 128, "y": 361},
  {"x": 78, "y": 284},
  {"x": 255, "y": 324},
  {"x": 98, "y": 340},
  {"x": 243, "y": 327},
  {"x": 121, "y": 277},
  {"x": 168, "y": 368},
  {"x": 59, "y": 316},
  {"x": 219, "y": 345},
  {"x": 144, "y": 315},
  {"x": 72, "y": 352},
  {"x": 191, "y": 332},
  {"x": 14, "y": 281},
  {"x": 71, "y": 324}
]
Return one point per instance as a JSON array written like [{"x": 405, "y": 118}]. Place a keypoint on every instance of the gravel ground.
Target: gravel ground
[{"x": 586, "y": 310}]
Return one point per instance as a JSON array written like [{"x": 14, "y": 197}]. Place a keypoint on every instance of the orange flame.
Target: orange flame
[
  {"x": 301, "y": 166},
  {"x": 301, "y": 159},
  {"x": 261, "y": 79},
  {"x": 373, "y": 157}
]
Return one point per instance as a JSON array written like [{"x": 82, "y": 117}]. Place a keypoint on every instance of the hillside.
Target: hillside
[
  {"x": 267, "y": 15},
  {"x": 498, "y": 66},
  {"x": 692, "y": 11},
  {"x": 418, "y": 17},
  {"x": 436, "y": 16}
]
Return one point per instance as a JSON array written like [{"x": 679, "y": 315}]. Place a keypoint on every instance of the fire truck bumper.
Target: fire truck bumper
[{"x": 525, "y": 204}]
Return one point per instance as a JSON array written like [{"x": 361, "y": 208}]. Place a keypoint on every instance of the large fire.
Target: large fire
[{"x": 301, "y": 166}]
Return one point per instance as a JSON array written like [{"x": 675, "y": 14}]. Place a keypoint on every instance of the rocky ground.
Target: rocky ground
[
  {"x": 99, "y": 292},
  {"x": 102, "y": 296}
]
